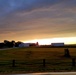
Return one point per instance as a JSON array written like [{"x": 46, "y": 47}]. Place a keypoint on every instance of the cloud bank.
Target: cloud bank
[{"x": 22, "y": 19}]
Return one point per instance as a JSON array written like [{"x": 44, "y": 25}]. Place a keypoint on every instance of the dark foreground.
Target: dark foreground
[{"x": 31, "y": 60}]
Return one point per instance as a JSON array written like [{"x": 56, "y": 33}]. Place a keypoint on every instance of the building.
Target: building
[
  {"x": 57, "y": 44},
  {"x": 24, "y": 45},
  {"x": 28, "y": 44}
]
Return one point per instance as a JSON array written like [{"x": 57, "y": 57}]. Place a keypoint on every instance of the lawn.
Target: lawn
[{"x": 31, "y": 60}]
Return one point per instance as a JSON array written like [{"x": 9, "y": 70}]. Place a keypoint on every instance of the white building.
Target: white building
[
  {"x": 57, "y": 44},
  {"x": 24, "y": 45}
]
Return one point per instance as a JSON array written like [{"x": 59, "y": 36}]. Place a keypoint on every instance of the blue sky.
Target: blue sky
[{"x": 37, "y": 19}]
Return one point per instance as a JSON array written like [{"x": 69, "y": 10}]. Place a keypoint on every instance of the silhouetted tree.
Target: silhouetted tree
[
  {"x": 12, "y": 43},
  {"x": 17, "y": 43},
  {"x": 1, "y": 45},
  {"x": 6, "y": 43},
  {"x": 9, "y": 44}
]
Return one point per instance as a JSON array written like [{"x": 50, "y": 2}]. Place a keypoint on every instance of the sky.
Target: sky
[{"x": 24, "y": 20}]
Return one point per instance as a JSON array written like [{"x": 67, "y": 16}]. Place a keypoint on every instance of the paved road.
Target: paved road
[
  {"x": 57, "y": 73},
  {"x": 7, "y": 48},
  {"x": 50, "y": 73}
]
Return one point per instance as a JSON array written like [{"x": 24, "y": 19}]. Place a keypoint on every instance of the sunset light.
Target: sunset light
[{"x": 67, "y": 40}]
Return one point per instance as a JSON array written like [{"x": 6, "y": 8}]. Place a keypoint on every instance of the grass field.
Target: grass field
[{"x": 31, "y": 60}]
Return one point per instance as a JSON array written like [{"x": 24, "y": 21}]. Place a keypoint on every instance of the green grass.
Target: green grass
[{"x": 31, "y": 60}]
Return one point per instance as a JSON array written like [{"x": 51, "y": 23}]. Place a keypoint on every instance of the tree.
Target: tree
[
  {"x": 6, "y": 43},
  {"x": 17, "y": 43},
  {"x": 13, "y": 43}
]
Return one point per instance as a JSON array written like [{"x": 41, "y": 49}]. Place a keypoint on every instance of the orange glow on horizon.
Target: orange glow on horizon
[{"x": 67, "y": 40}]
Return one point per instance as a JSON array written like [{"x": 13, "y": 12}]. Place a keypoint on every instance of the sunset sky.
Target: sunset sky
[{"x": 49, "y": 20}]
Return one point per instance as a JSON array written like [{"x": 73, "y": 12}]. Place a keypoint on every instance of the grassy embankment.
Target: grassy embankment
[{"x": 31, "y": 59}]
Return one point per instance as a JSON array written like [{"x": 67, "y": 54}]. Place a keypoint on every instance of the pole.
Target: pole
[
  {"x": 73, "y": 62},
  {"x": 43, "y": 62}
]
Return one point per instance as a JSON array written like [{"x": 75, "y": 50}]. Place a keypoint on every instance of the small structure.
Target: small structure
[
  {"x": 57, "y": 44},
  {"x": 34, "y": 44},
  {"x": 24, "y": 45}
]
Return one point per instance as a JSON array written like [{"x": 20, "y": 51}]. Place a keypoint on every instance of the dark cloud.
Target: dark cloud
[
  {"x": 37, "y": 17},
  {"x": 7, "y": 6}
]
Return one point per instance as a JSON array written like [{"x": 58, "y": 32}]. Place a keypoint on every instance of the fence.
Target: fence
[{"x": 52, "y": 63}]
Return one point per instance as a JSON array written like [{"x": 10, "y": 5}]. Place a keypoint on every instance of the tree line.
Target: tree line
[{"x": 9, "y": 44}]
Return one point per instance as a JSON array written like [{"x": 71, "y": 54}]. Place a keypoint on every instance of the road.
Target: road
[
  {"x": 55, "y": 73},
  {"x": 48, "y": 73},
  {"x": 8, "y": 48}
]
